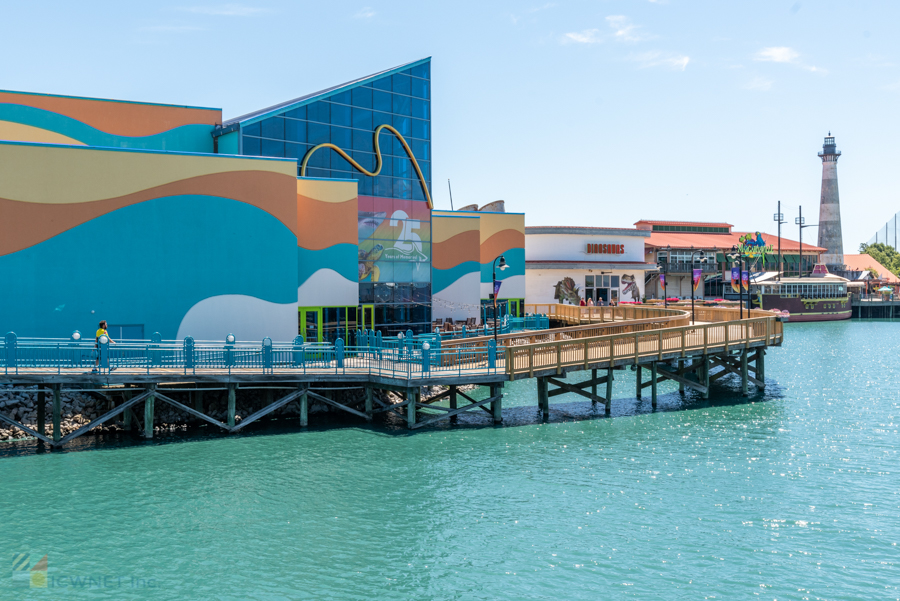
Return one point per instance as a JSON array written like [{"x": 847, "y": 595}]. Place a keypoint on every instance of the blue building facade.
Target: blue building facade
[{"x": 394, "y": 212}]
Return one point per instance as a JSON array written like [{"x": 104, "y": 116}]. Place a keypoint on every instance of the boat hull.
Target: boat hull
[{"x": 802, "y": 309}]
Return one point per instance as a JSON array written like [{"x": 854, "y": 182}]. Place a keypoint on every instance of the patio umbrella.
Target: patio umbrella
[{"x": 885, "y": 289}]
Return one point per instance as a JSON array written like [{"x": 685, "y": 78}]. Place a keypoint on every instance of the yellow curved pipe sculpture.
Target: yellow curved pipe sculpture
[{"x": 377, "y": 159}]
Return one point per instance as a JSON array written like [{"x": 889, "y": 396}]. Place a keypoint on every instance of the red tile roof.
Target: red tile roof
[
  {"x": 683, "y": 223},
  {"x": 721, "y": 241},
  {"x": 863, "y": 262}
]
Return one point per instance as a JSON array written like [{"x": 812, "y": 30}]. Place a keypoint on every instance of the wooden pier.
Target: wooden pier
[{"x": 659, "y": 346}]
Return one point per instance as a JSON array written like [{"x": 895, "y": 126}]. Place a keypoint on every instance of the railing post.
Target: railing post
[
  {"x": 492, "y": 355},
  {"x": 104, "y": 353},
  {"x": 426, "y": 357},
  {"x": 11, "y": 352},
  {"x": 155, "y": 355},
  {"x": 229, "y": 351},
  {"x": 267, "y": 354},
  {"x": 339, "y": 352},
  {"x": 189, "y": 353},
  {"x": 297, "y": 351}
]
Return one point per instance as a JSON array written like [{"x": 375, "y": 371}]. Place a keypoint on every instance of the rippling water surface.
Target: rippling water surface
[{"x": 791, "y": 494}]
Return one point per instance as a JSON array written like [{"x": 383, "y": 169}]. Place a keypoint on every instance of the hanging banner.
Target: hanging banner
[
  {"x": 745, "y": 280},
  {"x": 696, "y": 279},
  {"x": 662, "y": 280},
  {"x": 736, "y": 279},
  {"x": 497, "y": 287}
]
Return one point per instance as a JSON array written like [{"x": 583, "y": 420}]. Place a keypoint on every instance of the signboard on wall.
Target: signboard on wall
[{"x": 605, "y": 249}]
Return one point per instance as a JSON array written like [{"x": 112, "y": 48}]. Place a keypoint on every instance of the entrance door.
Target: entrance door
[
  {"x": 602, "y": 296},
  {"x": 311, "y": 321},
  {"x": 368, "y": 317}
]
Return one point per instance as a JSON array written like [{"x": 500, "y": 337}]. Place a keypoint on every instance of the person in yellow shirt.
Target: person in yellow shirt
[{"x": 101, "y": 331}]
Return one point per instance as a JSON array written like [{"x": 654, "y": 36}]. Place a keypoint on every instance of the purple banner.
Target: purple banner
[
  {"x": 497, "y": 287},
  {"x": 662, "y": 280},
  {"x": 745, "y": 280},
  {"x": 736, "y": 279},
  {"x": 696, "y": 278}
]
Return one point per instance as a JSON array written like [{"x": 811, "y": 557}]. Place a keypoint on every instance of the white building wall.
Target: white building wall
[
  {"x": 573, "y": 247},
  {"x": 540, "y": 284}
]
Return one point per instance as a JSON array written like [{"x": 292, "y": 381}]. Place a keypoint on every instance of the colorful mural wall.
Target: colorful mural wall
[
  {"x": 326, "y": 242},
  {"x": 456, "y": 263},
  {"x": 50, "y": 119},
  {"x": 172, "y": 243},
  {"x": 502, "y": 234}
]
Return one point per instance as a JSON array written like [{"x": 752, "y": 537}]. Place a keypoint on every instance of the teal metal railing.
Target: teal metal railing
[{"x": 406, "y": 356}]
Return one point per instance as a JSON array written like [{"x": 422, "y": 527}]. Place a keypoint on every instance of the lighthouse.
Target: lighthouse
[{"x": 830, "y": 236}]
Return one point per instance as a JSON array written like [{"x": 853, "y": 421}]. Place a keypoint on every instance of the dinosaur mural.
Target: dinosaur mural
[{"x": 566, "y": 290}]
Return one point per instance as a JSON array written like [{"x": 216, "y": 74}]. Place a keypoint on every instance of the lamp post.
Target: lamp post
[
  {"x": 737, "y": 256},
  {"x": 664, "y": 266},
  {"x": 779, "y": 219},
  {"x": 801, "y": 223},
  {"x": 703, "y": 260},
  {"x": 502, "y": 265}
]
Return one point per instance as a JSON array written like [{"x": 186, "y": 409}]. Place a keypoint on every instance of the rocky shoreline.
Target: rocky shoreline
[{"x": 79, "y": 408}]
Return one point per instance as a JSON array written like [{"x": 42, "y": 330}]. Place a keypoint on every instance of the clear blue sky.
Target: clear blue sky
[{"x": 597, "y": 113}]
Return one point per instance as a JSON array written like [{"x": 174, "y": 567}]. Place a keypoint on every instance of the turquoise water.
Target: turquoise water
[{"x": 793, "y": 494}]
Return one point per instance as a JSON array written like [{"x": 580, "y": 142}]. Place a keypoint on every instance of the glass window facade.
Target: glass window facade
[{"x": 394, "y": 219}]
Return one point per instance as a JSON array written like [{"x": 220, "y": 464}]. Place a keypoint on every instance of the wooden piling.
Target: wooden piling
[
  {"x": 198, "y": 400},
  {"x": 370, "y": 392},
  {"x": 148, "y": 412},
  {"x": 704, "y": 374},
  {"x": 680, "y": 368},
  {"x": 638, "y": 383},
  {"x": 496, "y": 406},
  {"x": 410, "y": 407},
  {"x": 453, "y": 403},
  {"x": 761, "y": 365},
  {"x": 594, "y": 385},
  {"x": 543, "y": 396},
  {"x": 42, "y": 411},
  {"x": 304, "y": 409},
  {"x": 744, "y": 388},
  {"x": 609, "y": 387},
  {"x": 57, "y": 413},
  {"x": 653, "y": 383},
  {"x": 231, "y": 404},
  {"x": 126, "y": 415}
]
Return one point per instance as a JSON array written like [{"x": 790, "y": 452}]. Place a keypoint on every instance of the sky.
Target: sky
[{"x": 594, "y": 113}]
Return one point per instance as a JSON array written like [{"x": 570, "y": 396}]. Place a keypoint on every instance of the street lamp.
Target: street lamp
[
  {"x": 801, "y": 223},
  {"x": 737, "y": 256},
  {"x": 664, "y": 266},
  {"x": 502, "y": 265},
  {"x": 703, "y": 261},
  {"x": 779, "y": 219}
]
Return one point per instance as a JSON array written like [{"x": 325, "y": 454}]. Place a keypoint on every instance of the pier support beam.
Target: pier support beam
[
  {"x": 543, "y": 396},
  {"x": 653, "y": 376},
  {"x": 370, "y": 392},
  {"x": 57, "y": 413},
  {"x": 453, "y": 405},
  {"x": 304, "y": 408},
  {"x": 497, "y": 406},
  {"x": 42, "y": 411},
  {"x": 704, "y": 372},
  {"x": 126, "y": 415},
  {"x": 594, "y": 385},
  {"x": 681, "y": 370},
  {"x": 411, "y": 397},
  {"x": 637, "y": 378},
  {"x": 761, "y": 365},
  {"x": 198, "y": 400},
  {"x": 148, "y": 411},
  {"x": 231, "y": 404},
  {"x": 609, "y": 382},
  {"x": 744, "y": 374}
]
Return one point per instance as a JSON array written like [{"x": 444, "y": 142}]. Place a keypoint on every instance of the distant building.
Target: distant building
[{"x": 677, "y": 244}]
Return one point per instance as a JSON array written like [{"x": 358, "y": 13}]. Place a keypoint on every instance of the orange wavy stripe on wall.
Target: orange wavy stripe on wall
[
  {"x": 501, "y": 242},
  {"x": 324, "y": 224},
  {"x": 118, "y": 118},
  {"x": 455, "y": 250},
  {"x": 25, "y": 224}
]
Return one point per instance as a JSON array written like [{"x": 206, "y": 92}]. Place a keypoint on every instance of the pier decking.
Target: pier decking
[{"x": 660, "y": 343}]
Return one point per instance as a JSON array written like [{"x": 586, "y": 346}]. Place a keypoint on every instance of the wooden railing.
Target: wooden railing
[
  {"x": 659, "y": 344},
  {"x": 574, "y": 332},
  {"x": 580, "y": 315}
]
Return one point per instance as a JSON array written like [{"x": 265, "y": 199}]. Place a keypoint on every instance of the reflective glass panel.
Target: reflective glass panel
[
  {"x": 340, "y": 115},
  {"x": 400, "y": 84},
  {"x": 362, "y": 118},
  {"x": 362, "y": 97},
  {"x": 318, "y": 111},
  {"x": 381, "y": 101},
  {"x": 273, "y": 127}
]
